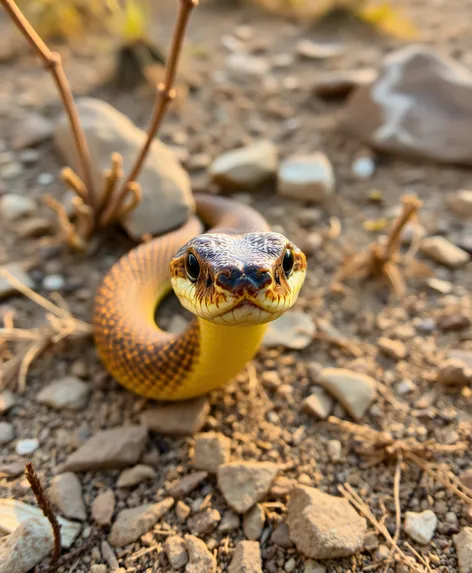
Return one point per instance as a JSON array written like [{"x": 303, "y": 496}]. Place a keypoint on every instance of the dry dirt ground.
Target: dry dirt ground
[{"x": 261, "y": 421}]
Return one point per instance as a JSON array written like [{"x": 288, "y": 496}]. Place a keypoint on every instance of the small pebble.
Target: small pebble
[
  {"x": 53, "y": 282},
  {"x": 363, "y": 167},
  {"x": 334, "y": 450},
  {"x": 14, "y": 206},
  {"x": 306, "y": 178},
  {"x": 421, "y": 526},
  {"x": 26, "y": 447},
  {"x": 7, "y": 433},
  {"x": 7, "y": 401},
  {"x": 253, "y": 522},
  {"x": 290, "y": 565}
]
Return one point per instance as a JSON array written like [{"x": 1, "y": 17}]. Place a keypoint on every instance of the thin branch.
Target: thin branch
[
  {"x": 398, "y": 511},
  {"x": 165, "y": 94},
  {"x": 45, "y": 506},
  {"x": 53, "y": 62}
]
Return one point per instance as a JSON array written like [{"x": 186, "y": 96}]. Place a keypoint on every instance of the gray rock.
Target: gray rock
[
  {"x": 454, "y": 372},
  {"x": 130, "y": 524},
  {"x": 253, "y": 522},
  {"x": 176, "y": 552},
  {"x": 246, "y": 558},
  {"x": 463, "y": 543},
  {"x": 14, "y": 206},
  {"x": 423, "y": 114},
  {"x": 442, "y": 251},
  {"x": 243, "y": 484},
  {"x": 29, "y": 544},
  {"x": 179, "y": 418},
  {"x": 103, "y": 507},
  {"x": 204, "y": 523},
  {"x": 65, "y": 492},
  {"x": 109, "y": 449},
  {"x": 98, "y": 569},
  {"x": 229, "y": 522},
  {"x": 167, "y": 200},
  {"x": 67, "y": 393},
  {"x": 7, "y": 401},
  {"x": 323, "y": 526},
  {"x": 461, "y": 203},
  {"x": 319, "y": 404},
  {"x": 306, "y": 178},
  {"x": 16, "y": 270},
  {"x": 245, "y": 167},
  {"x": 187, "y": 484},
  {"x": 294, "y": 330},
  {"x": 421, "y": 526},
  {"x": 211, "y": 450},
  {"x": 32, "y": 130},
  {"x": 27, "y": 446},
  {"x": 133, "y": 476},
  {"x": 7, "y": 433},
  {"x": 54, "y": 282},
  {"x": 281, "y": 536},
  {"x": 200, "y": 560},
  {"x": 353, "y": 390}
]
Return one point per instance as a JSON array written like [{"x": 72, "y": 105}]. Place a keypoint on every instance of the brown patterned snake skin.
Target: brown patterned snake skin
[{"x": 235, "y": 278}]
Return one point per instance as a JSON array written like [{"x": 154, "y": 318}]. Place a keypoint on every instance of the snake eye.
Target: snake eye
[
  {"x": 192, "y": 267},
  {"x": 288, "y": 262}
]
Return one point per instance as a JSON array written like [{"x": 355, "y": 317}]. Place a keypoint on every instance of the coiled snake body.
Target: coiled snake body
[{"x": 235, "y": 278}]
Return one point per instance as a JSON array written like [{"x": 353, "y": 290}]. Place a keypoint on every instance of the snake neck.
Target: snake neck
[{"x": 223, "y": 353}]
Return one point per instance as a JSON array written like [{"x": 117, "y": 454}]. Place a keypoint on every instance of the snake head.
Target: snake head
[{"x": 238, "y": 279}]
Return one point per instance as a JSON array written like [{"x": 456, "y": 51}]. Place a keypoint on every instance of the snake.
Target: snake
[{"x": 227, "y": 268}]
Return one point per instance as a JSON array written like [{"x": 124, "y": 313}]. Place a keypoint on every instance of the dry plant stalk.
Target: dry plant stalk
[
  {"x": 94, "y": 211},
  {"x": 380, "y": 259},
  {"x": 60, "y": 325},
  {"x": 45, "y": 506}
]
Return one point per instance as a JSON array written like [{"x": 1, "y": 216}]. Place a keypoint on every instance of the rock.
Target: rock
[
  {"x": 135, "y": 475},
  {"x": 319, "y": 404},
  {"x": 14, "y": 513},
  {"x": 14, "y": 206},
  {"x": 176, "y": 551},
  {"x": 290, "y": 565},
  {"x": 423, "y": 115},
  {"x": 421, "y": 526},
  {"x": 334, "y": 450},
  {"x": 179, "y": 418},
  {"x": 29, "y": 544},
  {"x": 109, "y": 449},
  {"x": 452, "y": 321},
  {"x": 253, "y": 522},
  {"x": 363, "y": 167},
  {"x": 281, "y": 487},
  {"x": 317, "y": 51},
  {"x": 7, "y": 401},
  {"x": 14, "y": 469},
  {"x": 211, "y": 450},
  {"x": 246, "y": 558},
  {"x": 65, "y": 492},
  {"x": 167, "y": 200},
  {"x": 454, "y": 372},
  {"x": 32, "y": 130},
  {"x": 109, "y": 556},
  {"x": 438, "y": 285},
  {"x": 67, "y": 393},
  {"x": 313, "y": 567},
  {"x": 15, "y": 269},
  {"x": 371, "y": 541},
  {"x": 294, "y": 330},
  {"x": 443, "y": 252},
  {"x": 7, "y": 433},
  {"x": 463, "y": 355},
  {"x": 26, "y": 447},
  {"x": 323, "y": 526},
  {"x": 243, "y": 483},
  {"x": 187, "y": 484},
  {"x": 393, "y": 348},
  {"x": 130, "y": 524},
  {"x": 103, "y": 507},
  {"x": 98, "y": 569},
  {"x": 466, "y": 478},
  {"x": 182, "y": 511},
  {"x": 245, "y": 167},
  {"x": 229, "y": 522},
  {"x": 306, "y": 178},
  {"x": 204, "y": 523},
  {"x": 353, "y": 390},
  {"x": 461, "y": 203},
  {"x": 53, "y": 282},
  {"x": 245, "y": 65},
  {"x": 404, "y": 387},
  {"x": 463, "y": 543},
  {"x": 200, "y": 560},
  {"x": 281, "y": 536},
  {"x": 341, "y": 82}
]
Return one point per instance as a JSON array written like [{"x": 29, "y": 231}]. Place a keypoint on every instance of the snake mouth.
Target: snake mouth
[{"x": 245, "y": 312}]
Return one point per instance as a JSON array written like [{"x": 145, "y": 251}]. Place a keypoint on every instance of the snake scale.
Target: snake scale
[{"x": 235, "y": 278}]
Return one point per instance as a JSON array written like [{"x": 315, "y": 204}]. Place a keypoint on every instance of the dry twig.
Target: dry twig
[
  {"x": 380, "y": 259},
  {"x": 60, "y": 325},
  {"x": 94, "y": 211},
  {"x": 45, "y": 506}
]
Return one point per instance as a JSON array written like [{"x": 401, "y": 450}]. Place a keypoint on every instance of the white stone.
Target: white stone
[
  {"x": 29, "y": 544},
  {"x": 53, "y": 282},
  {"x": 67, "y": 393},
  {"x": 442, "y": 251},
  {"x": 306, "y": 178},
  {"x": 241, "y": 64},
  {"x": 318, "y": 51},
  {"x": 294, "y": 330},
  {"x": 26, "y": 447},
  {"x": 463, "y": 543},
  {"x": 421, "y": 526},
  {"x": 363, "y": 167},
  {"x": 14, "y": 206},
  {"x": 7, "y": 433}
]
